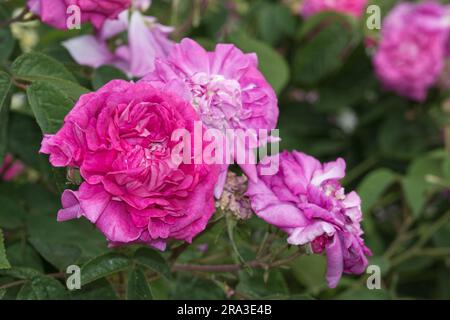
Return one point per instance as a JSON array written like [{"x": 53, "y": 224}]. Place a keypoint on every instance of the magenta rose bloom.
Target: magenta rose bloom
[
  {"x": 412, "y": 49},
  {"x": 120, "y": 137},
  {"x": 145, "y": 34},
  {"x": 54, "y": 12},
  {"x": 306, "y": 200},
  {"x": 226, "y": 89},
  {"x": 351, "y": 7}
]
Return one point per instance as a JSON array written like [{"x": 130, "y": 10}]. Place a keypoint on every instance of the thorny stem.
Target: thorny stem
[
  {"x": 417, "y": 248},
  {"x": 234, "y": 267}
]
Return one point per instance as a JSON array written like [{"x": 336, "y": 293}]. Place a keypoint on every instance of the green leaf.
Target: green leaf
[
  {"x": 274, "y": 22},
  {"x": 21, "y": 254},
  {"x": 373, "y": 186},
  {"x": 103, "y": 266},
  {"x": 271, "y": 63},
  {"x": 193, "y": 288},
  {"x": 39, "y": 67},
  {"x": 416, "y": 185},
  {"x": 370, "y": 190},
  {"x": 26, "y": 143},
  {"x": 104, "y": 74},
  {"x": 42, "y": 288},
  {"x": 21, "y": 273},
  {"x": 310, "y": 272},
  {"x": 11, "y": 214},
  {"x": 402, "y": 138},
  {"x": 255, "y": 285},
  {"x": 63, "y": 244},
  {"x": 5, "y": 86},
  {"x": 6, "y": 43},
  {"x": 49, "y": 104},
  {"x": 415, "y": 190},
  {"x": 322, "y": 54},
  {"x": 4, "y": 263},
  {"x": 138, "y": 287},
  {"x": 364, "y": 294},
  {"x": 97, "y": 290},
  {"x": 151, "y": 259},
  {"x": 231, "y": 226}
]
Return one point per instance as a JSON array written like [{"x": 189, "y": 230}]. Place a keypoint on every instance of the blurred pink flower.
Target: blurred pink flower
[
  {"x": 121, "y": 139},
  {"x": 55, "y": 12},
  {"x": 352, "y": 7},
  {"x": 306, "y": 200},
  {"x": 147, "y": 40},
  {"x": 11, "y": 169},
  {"x": 225, "y": 87},
  {"x": 410, "y": 56}
]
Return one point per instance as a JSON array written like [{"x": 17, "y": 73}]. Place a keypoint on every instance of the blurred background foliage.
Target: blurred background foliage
[{"x": 331, "y": 105}]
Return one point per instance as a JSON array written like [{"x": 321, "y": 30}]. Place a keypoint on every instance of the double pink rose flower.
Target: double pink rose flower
[
  {"x": 351, "y": 7},
  {"x": 120, "y": 138},
  {"x": 226, "y": 89},
  {"x": 306, "y": 200},
  {"x": 56, "y": 12},
  {"x": 413, "y": 48},
  {"x": 146, "y": 40}
]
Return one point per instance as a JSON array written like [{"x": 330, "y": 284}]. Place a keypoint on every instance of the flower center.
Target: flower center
[{"x": 218, "y": 100}]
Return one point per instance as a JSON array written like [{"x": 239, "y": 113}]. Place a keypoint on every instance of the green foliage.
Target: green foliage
[
  {"x": 138, "y": 287},
  {"x": 4, "y": 263}
]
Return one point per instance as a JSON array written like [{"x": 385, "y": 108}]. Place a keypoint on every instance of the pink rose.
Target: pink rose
[
  {"x": 55, "y": 12},
  {"x": 10, "y": 169},
  {"x": 120, "y": 137},
  {"x": 352, "y": 7},
  {"x": 227, "y": 90},
  {"x": 144, "y": 35},
  {"x": 306, "y": 200},
  {"x": 412, "y": 49}
]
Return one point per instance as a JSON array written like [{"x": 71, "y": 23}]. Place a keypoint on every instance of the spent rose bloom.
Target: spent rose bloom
[
  {"x": 411, "y": 53},
  {"x": 55, "y": 12},
  {"x": 120, "y": 138},
  {"x": 227, "y": 90},
  {"x": 10, "y": 169},
  {"x": 352, "y": 7},
  {"x": 306, "y": 200},
  {"x": 147, "y": 40},
  {"x": 233, "y": 199}
]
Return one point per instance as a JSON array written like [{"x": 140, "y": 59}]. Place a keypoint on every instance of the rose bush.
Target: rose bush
[{"x": 139, "y": 147}]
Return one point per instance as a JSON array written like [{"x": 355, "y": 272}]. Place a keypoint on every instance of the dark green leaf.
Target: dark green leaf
[
  {"x": 42, "y": 288},
  {"x": 6, "y": 43},
  {"x": 373, "y": 186},
  {"x": 11, "y": 214},
  {"x": 322, "y": 53},
  {"x": 103, "y": 266},
  {"x": 4, "y": 263},
  {"x": 151, "y": 259},
  {"x": 64, "y": 244},
  {"x": 104, "y": 74},
  {"x": 255, "y": 285},
  {"x": 138, "y": 287},
  {"x": 39, "y": 67},
  {"x": 97, "y": 290},
  {"x": 5, "y": 86},
  {"x": 49, "y": 104}
]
